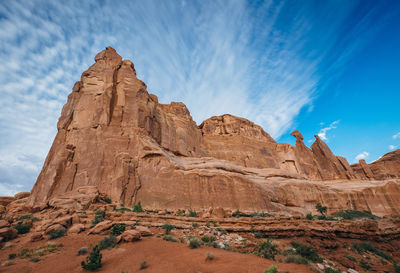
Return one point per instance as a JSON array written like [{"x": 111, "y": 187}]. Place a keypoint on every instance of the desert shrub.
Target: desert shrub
[
  {"x": 180, "y": 212},
  {"x": 34, "y": 259},
  {"x": 258, "y": 234},
  {"x": 57, "y": 233},
  {"x": 27, "y": 217},
  {"x": 396, "y": 268},
  {"x": 12, "y": 256},
  {"x": 22, "y": 229},
  {"x": 267, "y": 250},
  {"x": 356, "y": 214},
  {"x": 215, "y": 224},
  {"x": 331, "y": 270},
  {"x": 143, "y": 265},
  {"x": 368, "y": 247},
  {"x": 107, "y": 200},
  {"x": 309, "y": 216},
  {"x": 208, "y": 224},
  {"x": 261, "y": 214},
  {"x": 167, "y": 228},
  {"x": 351, "y": 258},
  {"x": 99, "y": 217},
  {"x": 195, "y": 225},
  {"x": 208, "y": 239},
  {"x": 26, "y": 253},
  {"x": 209, "y": 256},
  {"x": 237, "y": 214},
  {"x": 83, "y": 251},
  {"x": 366, "y": 265},
  {"x": 93, "y": 261},
  {"x": 192, "y": 213},
  {"x": 194, "y": 242},
  {"x": 296, "y": 259},
  {"x": 137, "y": 207},
  {"x": 108, "y": 242},
  {"x": 307, "y": 252},
  {"x": 182, "y": 240},
  {"x": 271, "y": 269},
  {"x": 169, "y": 238},
  {"x": 321, "y": 209},
  {"x": 118, "y": 229}
]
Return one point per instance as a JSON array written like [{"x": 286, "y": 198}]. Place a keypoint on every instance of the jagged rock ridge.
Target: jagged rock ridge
[{"x": 114, "y": 135}]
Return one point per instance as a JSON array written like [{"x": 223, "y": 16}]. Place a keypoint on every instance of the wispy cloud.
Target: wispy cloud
[
  {"x": 362, "y": 155},
  {"x": 322, "y": 133},
  {"x": 396, "y": 136},
  {"x": 392, "y": 147},
  {"x": 261, "y": 61}
]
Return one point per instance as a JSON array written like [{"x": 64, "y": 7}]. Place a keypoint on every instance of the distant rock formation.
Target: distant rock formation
[{"x": 115, "y": 136}]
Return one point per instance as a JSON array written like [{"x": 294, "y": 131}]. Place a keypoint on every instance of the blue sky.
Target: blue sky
[{"x": 323, "y": 67}]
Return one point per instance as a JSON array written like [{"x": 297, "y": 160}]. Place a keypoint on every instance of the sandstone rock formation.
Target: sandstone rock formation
[{"x": 115, "y": 139}]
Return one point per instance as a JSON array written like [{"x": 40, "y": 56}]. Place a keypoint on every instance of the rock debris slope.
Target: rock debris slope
[{"x": 115, "y": 136}]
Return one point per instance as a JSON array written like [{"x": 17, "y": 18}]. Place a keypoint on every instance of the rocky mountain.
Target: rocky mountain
[{"x": 115, "y": 136}]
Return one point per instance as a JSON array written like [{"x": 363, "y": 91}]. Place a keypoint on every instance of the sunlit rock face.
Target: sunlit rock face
[{"x": 115, "y": 136}]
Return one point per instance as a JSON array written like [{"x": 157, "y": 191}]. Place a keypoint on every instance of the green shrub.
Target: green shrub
[
  {"x": 107, "y": 200},
  {"x": 331, "y": 270},
  {"x": 83, "y": 251},
  {"x": 118, "y": 229},
  {"x": 180, "y": 213},
  {"x": 28, "y": 217},
  {"x": 93, "y": 261},
  {"x": 296, "y": 259},
  {"x": 108, "y": 242},
  {"x": 261, "y": 214},
  {"x": 355, "y": 214},
  {"x": 137, "y": 207},
  {"x": 309, "y": 216},
  {"x": 215, "y": 224},
  {"x": 321, "y": 209},
  {"x": 168, "y": 228},
  {"x": 307, "y": 252},
  {"x": 34, "y": 259},
  {"x": 57, "y": 233},
  {"x": 208, "y": 239},
  {"x": 22, "y": 229},
  {"x": 271, "y": 269},
  {"x": 99, "y": 217},
  {"x": 368, "y": 247},
  {"x": 195, "y": 225},
  {"x": 192, "y": 213},
  {"x": 365, "y": 264},
  {"x": 267, "y": 250},
  {"x": 12, "y": 256},
  {"x": 351, "y": 258},
  {"x": 237, "y": 214},
  {"x": 26, "y": 253},
  {"x": 209, "y": 256},
  {"x": 396, "y": 268},
  {"x": 169, "y": 238},
  {"x": 194, "y": 242},
  {"x": 143, "y": 265}
]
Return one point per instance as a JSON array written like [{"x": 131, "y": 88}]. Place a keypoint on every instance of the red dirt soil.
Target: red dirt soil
[{"x": 161, "y": 256}]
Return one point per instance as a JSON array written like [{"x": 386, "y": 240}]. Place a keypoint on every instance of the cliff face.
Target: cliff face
[{"x": 114, "y": 135}]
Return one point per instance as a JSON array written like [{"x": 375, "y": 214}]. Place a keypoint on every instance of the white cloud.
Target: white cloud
[
  {"x": 396, "y": 136},
  {"x": 392, "y": 147},
  {"x": 323, "y": 131},
  {"x": 362, "y": 155}
]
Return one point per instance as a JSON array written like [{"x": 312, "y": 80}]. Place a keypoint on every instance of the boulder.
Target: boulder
[
  {"x": 131, "y": 235},
  {"x": 76, "y": 228},
  {"x": 36, "y": 236},
  {"x": 21, "y": 195},
  {"x": 8, "y": 233},
  {"x": 100, "y": 227},
  {"x": 144, "y": 231},
  {"x": 53, "y": 228},
  {"x": 4, "y": 223},
  {"x": 218, "y": 212}
]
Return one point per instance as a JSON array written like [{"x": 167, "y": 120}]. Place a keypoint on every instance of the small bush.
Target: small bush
[
  {"x": 26, "y": 253},
  {"x": 107, "y": 200},
  {"x": 307, "y": 252},
  {"x": 57, "y": 233},
  {"x": 351, "y": 258},
  {"x": 296, "y": 259},
  {"x": 34, "y": 259},
  {"x": 331, "y": 270},
  {"x": 143, "y": 265},
  {"x": 321, "y": 209},
  {"x": 169, "y": 238},
  {"x": 28, "y": 217},
  {"x": 267, "y": 250},
  {"x": 83, "y": 251},
  {"x": 215, "y": 224},
  {"x": 118, "y": 229},
  {"x": 209, "y": 256},
  {"x": 272, "y": 269},
  {"x": 99, "y": 217},
  {"x": 167, "y": 228},
  {"x": 195, "y": 225},
  {"x": 208, "y": 239},
  {"x": 368, "y": 247},
  {"x": 309, "y": 216},
  {"x": 194, "y": 242},
  {"x": 180, "y": 213},
  {"x": 12, "y": 256},
  {"x": 365, "y": 264},
  {"x": 22, "y": 229},
  {"x": 396, "y": 268},
  {"x": 192, "y": 213},
  {"x": 137, "y": 207},
  {"x": 355, "y": 214},
  {"x": 93, "y": 261},
  {"x": 108, "y": 242}
]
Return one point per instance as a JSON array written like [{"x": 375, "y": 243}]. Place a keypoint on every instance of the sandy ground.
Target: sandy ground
[{"x": 160, "y": 255}]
